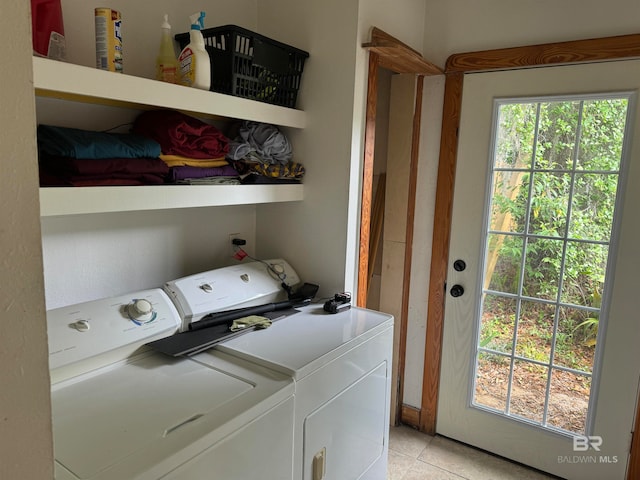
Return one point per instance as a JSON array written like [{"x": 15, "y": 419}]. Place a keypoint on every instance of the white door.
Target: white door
[{"x": 541, "y": 342}]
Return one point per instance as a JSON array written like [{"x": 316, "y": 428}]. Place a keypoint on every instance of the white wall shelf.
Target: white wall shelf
[
  {"x": 55, "y": 201},
  {"x": 89, "y": 85}
]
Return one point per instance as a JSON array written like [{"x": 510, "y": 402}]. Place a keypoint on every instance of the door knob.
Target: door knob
[{"x": 457, "y": 291}]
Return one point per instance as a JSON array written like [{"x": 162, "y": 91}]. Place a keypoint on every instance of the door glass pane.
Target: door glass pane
[
  {"x": 549, "y": 203},
  {"x": 515, "y": 135},
  {"x": 503, "y": 265},
  {"x": 498, "y": 323},
  {"x": 601, "y": 146},
  {"x": 542, "y": 268},
  {"x": 575, "y": 339},
  {"x": 569, "y": 401},
  {"x": 528, "y": 380},
  {"x": 511, "y": 194},
  {"x": 554, "y": 184},
  {"x": 592, "y": 207},
  {"x": 557, "y": 129},
  {"x": 535, "y": 331},
  {"x": 584, "y": 273},
  {"x": 492, "y": 381}
]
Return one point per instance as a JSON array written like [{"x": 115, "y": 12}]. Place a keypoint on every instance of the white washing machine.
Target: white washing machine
[
  {"x": 341, "y": 365},
  {"x": 122, "y": 412}
]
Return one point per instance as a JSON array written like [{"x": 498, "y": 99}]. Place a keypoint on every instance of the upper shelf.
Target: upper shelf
[
  {"x": 55, "y": 201},
  {"x": 79, "y": 83}
]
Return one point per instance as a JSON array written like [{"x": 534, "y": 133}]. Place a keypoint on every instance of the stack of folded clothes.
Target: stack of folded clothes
[
  {"x": 193, "y": 150},
  {"x": 261, "y": 153},
  {"x": 74, "y": 157}
]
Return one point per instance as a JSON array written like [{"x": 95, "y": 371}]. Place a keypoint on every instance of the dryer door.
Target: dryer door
[{"x": 345, "y": 436}]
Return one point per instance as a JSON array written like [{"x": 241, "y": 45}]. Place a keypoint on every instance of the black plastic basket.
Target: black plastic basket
[{"x": 249, "y": 65}]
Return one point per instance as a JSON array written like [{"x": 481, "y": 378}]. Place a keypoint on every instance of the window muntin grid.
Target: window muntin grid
[{"x": 549, "y": 155}]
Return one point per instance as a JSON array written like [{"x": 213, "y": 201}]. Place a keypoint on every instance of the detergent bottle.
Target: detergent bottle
[
  {"x": 47, "y": 29},
  {"x": 166, "y": 61},
  {"x": 195, "y": 67}
]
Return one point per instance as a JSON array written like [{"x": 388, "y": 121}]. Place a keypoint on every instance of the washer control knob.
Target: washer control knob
[
  {"x": 278, "y": 268},
  {"x": 206, "y": 287},
  {"x": 81, "y": 325},
  {"x": 141, "y": 311}
]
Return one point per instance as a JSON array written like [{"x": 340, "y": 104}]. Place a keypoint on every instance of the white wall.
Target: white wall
[
  {"x": 25, "y": 414},
  {"x": 95, "y": 256},
  {"x": 456, "y": 26},
  {"x": 314, "y": 234}
]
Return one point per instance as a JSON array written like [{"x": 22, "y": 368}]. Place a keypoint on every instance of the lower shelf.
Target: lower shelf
[{"x": 82, "y": 200}]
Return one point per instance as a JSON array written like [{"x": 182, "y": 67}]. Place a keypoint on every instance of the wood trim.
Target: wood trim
[
  {"x": 367, "y": 180},
  {"x": 399, "y": 57},
  {"x": 408, "y": 249},
  {"x": 440, "y": 250},
  {"x": 379, "y": 37},
  {"x": 377, "y": 222},
  {"x": 410, "y": 416},
  {"x": 577, "y": 51},
  {"x": 394, "y": 59}
]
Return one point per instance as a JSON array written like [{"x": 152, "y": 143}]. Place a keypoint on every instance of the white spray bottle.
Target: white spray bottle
[{"x": 195, "y": 67}]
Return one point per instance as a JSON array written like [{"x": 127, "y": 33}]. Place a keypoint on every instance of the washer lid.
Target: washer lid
[
  {"x": 301, "y": 343},
  {"x": 149, "y": 405}
]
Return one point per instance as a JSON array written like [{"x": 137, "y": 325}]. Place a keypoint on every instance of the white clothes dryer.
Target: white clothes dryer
[{"x": 341, "y": 364}]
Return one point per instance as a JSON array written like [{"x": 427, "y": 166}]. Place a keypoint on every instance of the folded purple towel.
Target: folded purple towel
[{"x": 181, "y": 173}]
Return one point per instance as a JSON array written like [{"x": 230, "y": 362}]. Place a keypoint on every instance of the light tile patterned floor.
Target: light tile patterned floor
[{"x": 416, "y": 456}]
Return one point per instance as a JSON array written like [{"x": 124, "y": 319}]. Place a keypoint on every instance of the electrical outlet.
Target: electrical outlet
[{"x": 233, "y": 248}]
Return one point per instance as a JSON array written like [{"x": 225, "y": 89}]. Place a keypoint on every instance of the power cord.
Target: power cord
[{"x": 282, "y": 276}]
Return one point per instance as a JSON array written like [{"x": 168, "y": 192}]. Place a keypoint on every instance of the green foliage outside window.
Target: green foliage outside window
[{"x": 557, "y": 169}]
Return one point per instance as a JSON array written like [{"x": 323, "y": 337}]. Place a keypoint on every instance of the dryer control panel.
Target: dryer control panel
[
  {"x": 237, "y": 286},
  {"x": 85, "y": 330}
]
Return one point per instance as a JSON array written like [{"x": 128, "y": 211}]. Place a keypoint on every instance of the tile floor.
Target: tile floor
[{"x": 416, "y": 456}]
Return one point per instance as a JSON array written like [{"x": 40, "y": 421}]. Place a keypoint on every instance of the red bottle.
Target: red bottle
[{"x": 48, "y": 29}]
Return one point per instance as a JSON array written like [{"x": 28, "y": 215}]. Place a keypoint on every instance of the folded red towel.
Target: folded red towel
[
  {"x": 47, "y": 179},
  {"x": 65, "y": 171},
  {"x": 104, "y": 166},
  {"x": 180, "y": 134}
]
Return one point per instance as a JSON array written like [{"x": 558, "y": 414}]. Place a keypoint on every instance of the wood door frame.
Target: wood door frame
[
  {"x": 390, "y": 53},
  {"x": 563, "y": 53}
]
